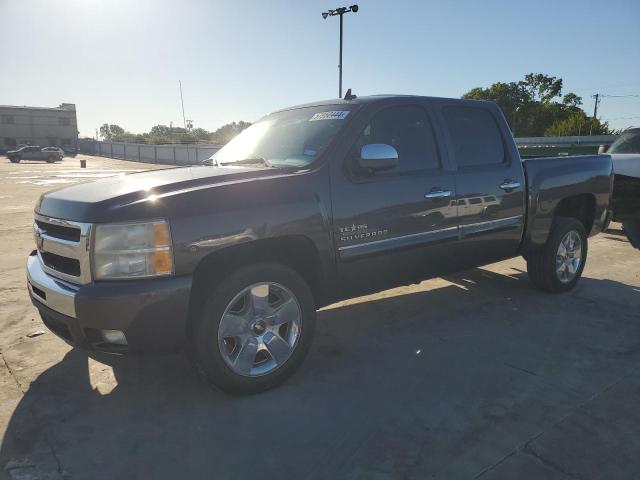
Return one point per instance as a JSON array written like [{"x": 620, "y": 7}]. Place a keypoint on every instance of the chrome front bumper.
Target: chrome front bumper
[{"x": 52, "y": 292}]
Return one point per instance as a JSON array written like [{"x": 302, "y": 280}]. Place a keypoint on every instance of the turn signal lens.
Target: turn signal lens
[{"x": 163, "y": 262}]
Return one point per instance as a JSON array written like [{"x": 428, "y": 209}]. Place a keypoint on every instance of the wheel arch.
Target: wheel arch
[
  {"x": 581, "y": 207},
  {"x": 295, "y": 251}
]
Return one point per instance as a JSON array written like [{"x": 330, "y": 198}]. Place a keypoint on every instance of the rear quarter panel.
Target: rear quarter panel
[{"x": 552, "y": 179}]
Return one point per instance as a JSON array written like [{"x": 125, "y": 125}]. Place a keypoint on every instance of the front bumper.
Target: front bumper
[{"x": 151, "y": 312}]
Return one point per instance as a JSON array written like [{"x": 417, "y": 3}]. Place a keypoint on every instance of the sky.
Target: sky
[{"x": 120, "y": 61}]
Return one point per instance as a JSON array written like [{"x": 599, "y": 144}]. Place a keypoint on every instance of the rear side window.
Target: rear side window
[
  {"x": 408, "y": 130},
  {"x": 475, "y": 136}
]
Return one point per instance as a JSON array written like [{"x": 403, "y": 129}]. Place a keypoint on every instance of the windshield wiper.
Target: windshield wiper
[{"x": 247, "y": 161}]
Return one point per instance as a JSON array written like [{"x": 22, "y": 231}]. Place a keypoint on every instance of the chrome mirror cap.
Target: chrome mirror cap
[{"x": 378, "y": 156}]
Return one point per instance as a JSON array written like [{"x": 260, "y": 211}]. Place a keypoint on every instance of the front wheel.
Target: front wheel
[
  {"x": 255, "y": 329},
  {"x": 14, "y": 159},
  {"x": 51, "y": 159},
  {"x": 558, "y": 265}
]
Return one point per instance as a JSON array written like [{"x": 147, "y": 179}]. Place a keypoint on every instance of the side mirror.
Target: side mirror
[
  {"x": 603, "y": 149},
  {"x": 378, "y": 156}
]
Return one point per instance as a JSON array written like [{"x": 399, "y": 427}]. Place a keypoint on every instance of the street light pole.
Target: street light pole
[
  {"x": 340, "y": 63},
  {"x": 340, "y": 12}
]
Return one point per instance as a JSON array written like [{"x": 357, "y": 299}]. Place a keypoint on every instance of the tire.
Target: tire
[
  {"x": 552, "y": 269},
  {"x": 273, "y": 353},
  {"x": 14, "y": 159},
  {"x": 51, "y": 159}
]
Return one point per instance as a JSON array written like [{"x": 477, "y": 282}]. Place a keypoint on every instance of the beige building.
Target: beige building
[{"x": 38, "y": 126}]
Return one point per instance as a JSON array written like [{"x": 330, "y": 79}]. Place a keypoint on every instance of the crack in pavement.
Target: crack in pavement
[
  {"x": 13, "y": 376},
  {"x": 527, "y": 449}
]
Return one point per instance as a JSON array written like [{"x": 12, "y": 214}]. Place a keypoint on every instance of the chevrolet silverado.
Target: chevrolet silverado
[{"x": 309, "y": 205}]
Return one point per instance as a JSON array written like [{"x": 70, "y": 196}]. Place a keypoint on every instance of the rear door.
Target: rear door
[
  {"x": 391, "y": 226},
  {"x": 489, "y": 179}
]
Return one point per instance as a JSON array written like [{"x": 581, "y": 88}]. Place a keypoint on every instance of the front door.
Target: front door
[{"x": 392, "y": 226}]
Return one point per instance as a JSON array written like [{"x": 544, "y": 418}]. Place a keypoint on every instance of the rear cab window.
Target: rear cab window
[{"x": 475, "y": 136}]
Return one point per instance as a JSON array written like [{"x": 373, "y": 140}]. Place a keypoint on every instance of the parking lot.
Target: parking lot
[{"x": 476, "y": 375}]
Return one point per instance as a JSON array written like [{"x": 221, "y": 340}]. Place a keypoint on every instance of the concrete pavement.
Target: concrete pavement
[{"x": 476, "y": 375}]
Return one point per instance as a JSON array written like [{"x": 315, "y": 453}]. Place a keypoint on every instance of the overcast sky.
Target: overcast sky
[{"x": 120, "y": 61}]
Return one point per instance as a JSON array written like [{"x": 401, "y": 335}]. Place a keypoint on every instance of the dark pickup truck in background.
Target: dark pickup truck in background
[{"x": 309, "y": 205}]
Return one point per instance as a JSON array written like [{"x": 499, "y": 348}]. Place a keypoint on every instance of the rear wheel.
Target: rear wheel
[
  {"x": 557, "y": 267},
  {"x": 255, "y": 329}
]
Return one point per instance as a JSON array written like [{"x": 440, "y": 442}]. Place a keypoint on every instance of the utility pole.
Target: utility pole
[
  {"x": 595, "y": 112},
  {"x": 332, "y": 13},
  {"x": 595, "y": 107},
  {"x": 599, "y": 97},
  {"x": 184, "y": 119}
]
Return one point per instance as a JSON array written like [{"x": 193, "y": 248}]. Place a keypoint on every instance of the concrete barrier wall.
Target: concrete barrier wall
[{"x": 179, "y": 154}]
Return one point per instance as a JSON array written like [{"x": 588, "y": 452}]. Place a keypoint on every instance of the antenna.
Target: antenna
[
  {"x": 184, "y": 121},
  {"x": 349, "y": 95}
]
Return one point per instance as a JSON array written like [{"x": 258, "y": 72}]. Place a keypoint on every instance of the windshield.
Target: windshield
[
  {"x": 293, "y": 138},
  {"x": 628, "y": 142}
]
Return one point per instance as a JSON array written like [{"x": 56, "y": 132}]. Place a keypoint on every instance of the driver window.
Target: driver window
[{"x": 408, "y": 130}]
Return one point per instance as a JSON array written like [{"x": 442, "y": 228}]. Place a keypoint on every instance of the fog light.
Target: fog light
[{"x": 114, "y": 336}]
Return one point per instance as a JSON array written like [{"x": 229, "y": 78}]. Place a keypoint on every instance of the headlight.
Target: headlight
[{"x": 131, "y": 250}]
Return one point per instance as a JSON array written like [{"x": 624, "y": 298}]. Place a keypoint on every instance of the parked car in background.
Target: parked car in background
[
  {"x": 33, "y": 152},
  {"x": 69, "y": 150}
]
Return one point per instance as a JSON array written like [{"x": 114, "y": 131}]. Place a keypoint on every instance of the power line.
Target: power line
[
  {"x": 617, "y": 96},
  {"x": 599, "y": 96},
  {"x": 624, "y": 118}
]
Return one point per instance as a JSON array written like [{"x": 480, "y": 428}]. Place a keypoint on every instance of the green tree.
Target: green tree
[
  {"x": 111, "y": 132},
  {"x": 225, "y": 133},
  {"x": 532, "y": 105},
  {"x": 163, "y": 134},
  {"x": 578, "y": 123}
]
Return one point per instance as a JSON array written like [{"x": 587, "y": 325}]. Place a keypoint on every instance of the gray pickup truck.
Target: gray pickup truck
[{"x": 309, "y": 205}]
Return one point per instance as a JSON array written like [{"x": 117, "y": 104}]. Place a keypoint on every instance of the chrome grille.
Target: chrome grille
[{"x": 63, "y": 248}]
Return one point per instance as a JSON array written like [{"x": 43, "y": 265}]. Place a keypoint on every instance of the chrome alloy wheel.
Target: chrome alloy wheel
[
  {"x": 569, "y": 256},
  {"x": 259, "y": 329}
]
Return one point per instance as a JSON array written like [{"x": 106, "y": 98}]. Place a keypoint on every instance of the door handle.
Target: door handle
[
  {"x": 509, "y": 185},
  {"x": 435, "y": 194}
]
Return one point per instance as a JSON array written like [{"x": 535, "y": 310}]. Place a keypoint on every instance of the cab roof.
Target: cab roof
[{"x": 372, "y": 99}]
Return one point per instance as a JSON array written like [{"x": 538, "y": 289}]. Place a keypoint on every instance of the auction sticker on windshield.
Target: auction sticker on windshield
[{"x": 333, "y": 115}]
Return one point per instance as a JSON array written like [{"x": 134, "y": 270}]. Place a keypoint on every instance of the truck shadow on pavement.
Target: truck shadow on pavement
[{"x": 429, "y": 381}]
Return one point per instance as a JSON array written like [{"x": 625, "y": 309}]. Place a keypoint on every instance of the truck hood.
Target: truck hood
[
  {"x": 627, "y": 164},
  {"x": 96, "y": 201}
]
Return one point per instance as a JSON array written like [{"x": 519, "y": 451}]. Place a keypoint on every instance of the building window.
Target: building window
[
  {"x": 65, "y": 141},
  {"x": 64, "y": 121},
  {"x": 8, "y": 119},
  {"x": 10, "y": 142}
]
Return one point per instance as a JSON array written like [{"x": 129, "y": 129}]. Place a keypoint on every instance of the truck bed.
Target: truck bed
[{"x": 552, "y": 179}]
